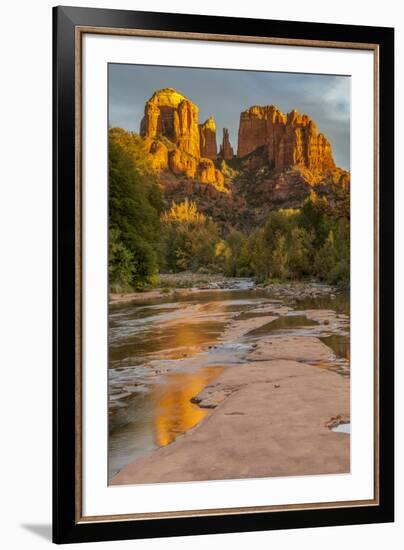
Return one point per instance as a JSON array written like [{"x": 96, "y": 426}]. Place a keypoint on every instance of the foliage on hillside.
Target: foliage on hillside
[
  {"x": 188, "y": 239},
  {"x": 307, "y": 244},
  {"x": 199, "y": 232}
]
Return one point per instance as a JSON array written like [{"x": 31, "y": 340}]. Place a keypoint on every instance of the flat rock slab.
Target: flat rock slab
[
  {"x": 273, "y": 308},
  {"x": 336, "y": 323},
  {"x": 236, "y": 328},
  {"x": 272, "y": 421},
  {"x": 295, "y": 348}
]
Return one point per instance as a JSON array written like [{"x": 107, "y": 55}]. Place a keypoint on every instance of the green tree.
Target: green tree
[
  {"x": 121, "y": 265},
  {"x": 259, "y": 255},
  {"x": 326, "y": 258},
  {"x": 340, "y": 272},
  {"x": 301, "y": 253},
  {"x": 280, "y": 257},
  {"x": 133, "y": 216},
  {"x": 236, "y": 262}
]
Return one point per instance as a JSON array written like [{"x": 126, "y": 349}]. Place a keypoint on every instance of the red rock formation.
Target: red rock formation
[
  {"x": 252, "y": 130},
  {"x": 176, "y": 141},
  {"x": 287, "y": 140},
  {"x": 158, "y": 155},
  {"x": 207, "y": 133},
  {"x": 171, "y": 115},
  {"x": 181, "y": 162},
  {"x": 207, "y": 173},
  {"x": 226, "y": 150}
]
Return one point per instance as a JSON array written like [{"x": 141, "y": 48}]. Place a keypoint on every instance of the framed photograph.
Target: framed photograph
[{"x": 223, "y": 274}]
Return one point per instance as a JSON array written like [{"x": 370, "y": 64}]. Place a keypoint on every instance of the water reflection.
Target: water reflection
[
  {"x": 157, "y": 418},
  {"x": 156, "y": 352},
  {"x": 339, "y": 344},
  {"x": 174, "y": 412},
  {"x": 164, "y": 352},
  {"x": 137, "y": 331},
  {"x": 340, "y": 303}
]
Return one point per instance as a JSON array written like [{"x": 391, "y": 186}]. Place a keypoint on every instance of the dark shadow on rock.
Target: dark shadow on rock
[{"x": 42, "y": 530}]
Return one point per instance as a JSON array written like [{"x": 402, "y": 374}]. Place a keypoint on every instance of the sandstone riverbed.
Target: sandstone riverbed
[{"x": 219, "y": 383}]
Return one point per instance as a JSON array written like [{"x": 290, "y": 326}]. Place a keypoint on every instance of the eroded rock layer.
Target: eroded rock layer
[
  {"x": 175, "y": 141},
  {"x": 281, "y": 156},
  {"x": 287, "y": 140},
  {"x": 171, "y": 115}
]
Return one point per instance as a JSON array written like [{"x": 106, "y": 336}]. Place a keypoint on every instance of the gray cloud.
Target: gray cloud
[{"x": 225, "y": 93}]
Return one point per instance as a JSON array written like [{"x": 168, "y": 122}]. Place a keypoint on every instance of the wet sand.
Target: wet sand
[{"x": 268, "y": 417}]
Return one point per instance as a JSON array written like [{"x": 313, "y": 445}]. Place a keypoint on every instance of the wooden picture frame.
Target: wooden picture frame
[{"x": 70, "y": 25}]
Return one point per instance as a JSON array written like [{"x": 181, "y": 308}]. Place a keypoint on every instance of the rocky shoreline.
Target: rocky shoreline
[{"x": 187, "y": 282}]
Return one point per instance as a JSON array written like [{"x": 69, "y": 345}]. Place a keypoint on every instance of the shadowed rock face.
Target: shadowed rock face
[
  {"x": 207, "y": 133},
  {"x": 226, "y": 150},
  {"x": 287, "y": 140},
  {"x": 175, "y": 141}
]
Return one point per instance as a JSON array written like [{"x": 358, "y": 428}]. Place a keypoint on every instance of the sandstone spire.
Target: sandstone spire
[
  {"x": 207, "y": 134},
  {"x": 226, "y": 150}
]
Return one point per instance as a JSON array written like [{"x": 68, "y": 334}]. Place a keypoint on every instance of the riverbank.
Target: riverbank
[
  {"x": 181, "y": 284},
  {"x": 268, "y": 418},
  {"x": 187, "y": 282}
]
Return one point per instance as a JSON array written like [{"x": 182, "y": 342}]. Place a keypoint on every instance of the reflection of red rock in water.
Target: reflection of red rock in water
[
  {"x": 255, "y": 432},
  {"x": 174, "y": 412}
]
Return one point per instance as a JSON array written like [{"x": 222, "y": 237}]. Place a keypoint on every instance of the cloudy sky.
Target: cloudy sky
[{"x": 225, "y": 93}]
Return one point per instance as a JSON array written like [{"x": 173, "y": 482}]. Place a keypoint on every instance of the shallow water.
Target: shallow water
[
  {"x": 340, "y": 303},
  {"x": 342, "y": 428},
  {"x": 340, "y": 345},
  {"x": 165, "y": 351},
  {"x": 159, "y": 415}
]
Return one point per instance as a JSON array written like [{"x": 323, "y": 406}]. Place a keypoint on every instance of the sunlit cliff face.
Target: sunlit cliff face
[
  {"x": 207, "y": 141},
  {"x": 176, "y": 141}
]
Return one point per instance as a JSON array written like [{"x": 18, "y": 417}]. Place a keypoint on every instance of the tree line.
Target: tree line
[{"x": 148, "y": 236}]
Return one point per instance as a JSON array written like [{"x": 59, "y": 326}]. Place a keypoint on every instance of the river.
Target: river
[{"x": 163, "y": 352}]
